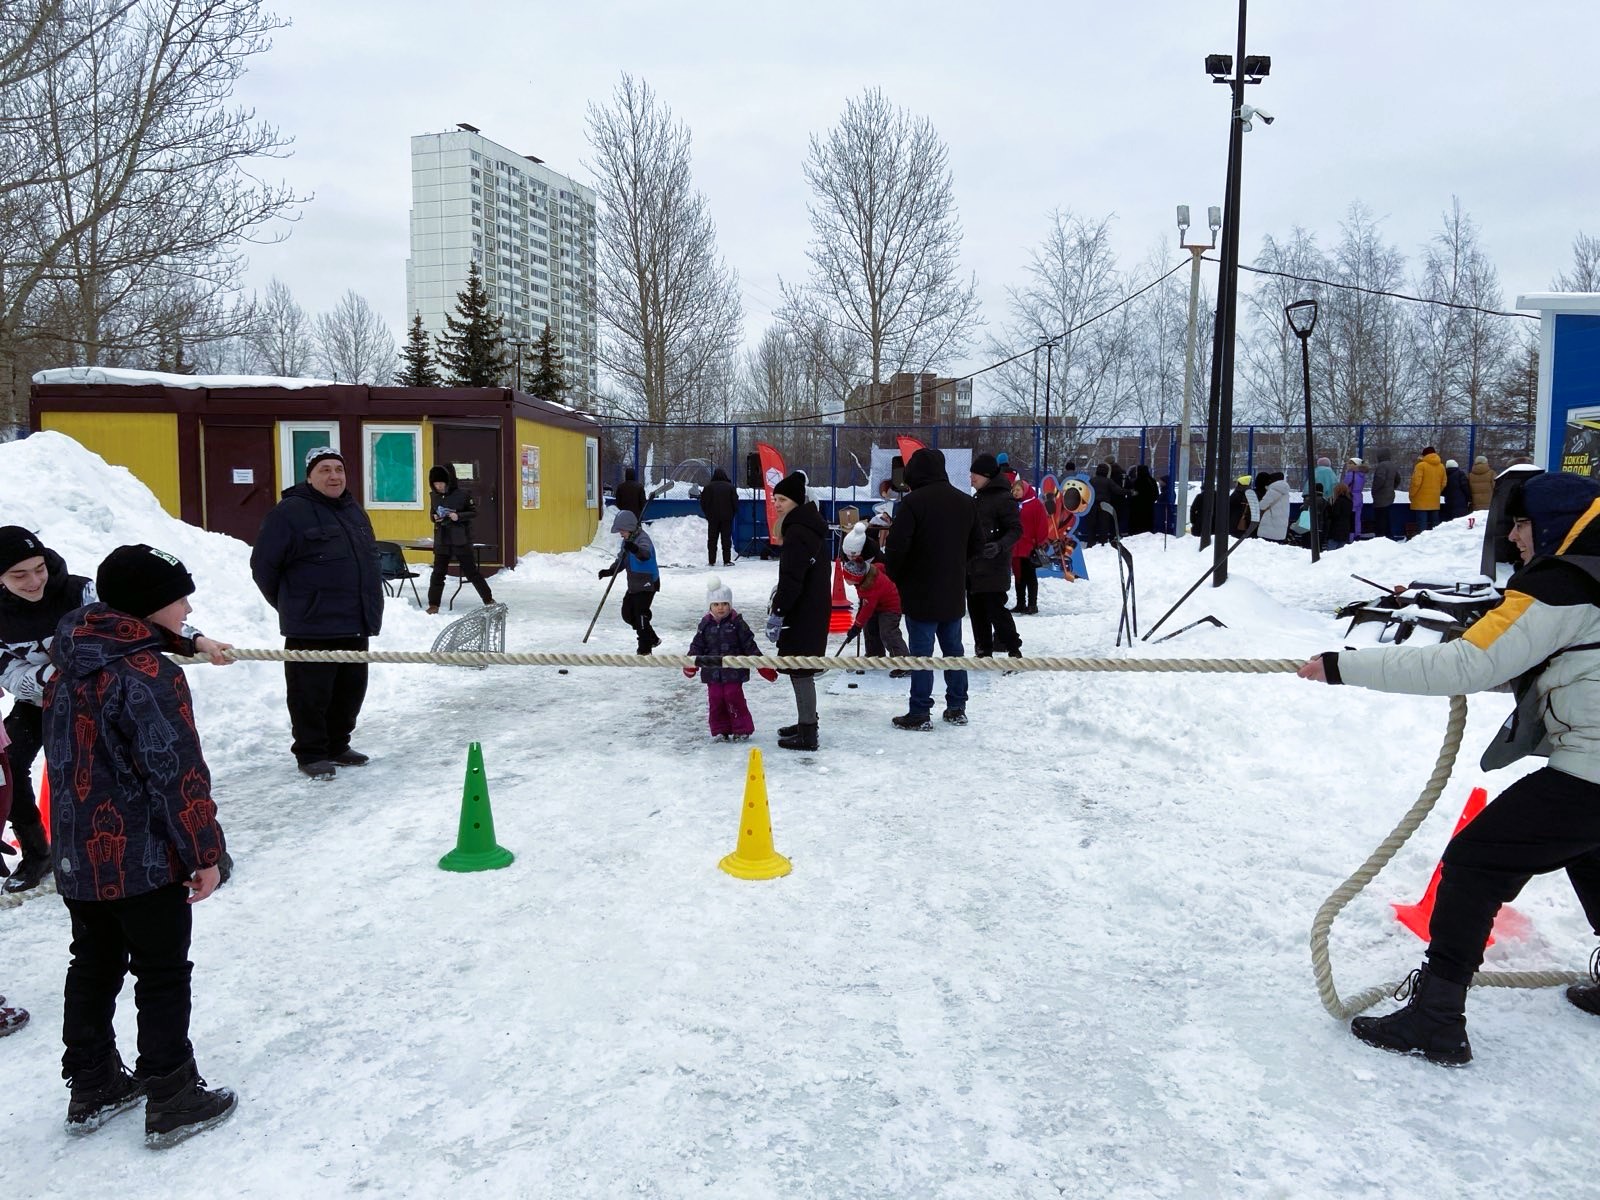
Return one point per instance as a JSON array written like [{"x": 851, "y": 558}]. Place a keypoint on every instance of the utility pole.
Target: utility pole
[{"x": 1196, "y": 250}]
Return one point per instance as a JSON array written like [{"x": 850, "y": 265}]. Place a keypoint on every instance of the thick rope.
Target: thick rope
[
  {"x": 1342, "y": 1010},
  {"x": 788, "y": 662},
  {"x": 1320, "y": 927}
]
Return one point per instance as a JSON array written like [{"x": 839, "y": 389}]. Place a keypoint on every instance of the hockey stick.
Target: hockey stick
[
  {"x": 1195, "y": 587},
  {"x": 597, "y": 611}
]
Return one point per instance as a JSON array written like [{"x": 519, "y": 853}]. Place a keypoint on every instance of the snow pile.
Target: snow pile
[
  {"x": 126, "y": 377},
  {"x": 1060, "y": 951}
]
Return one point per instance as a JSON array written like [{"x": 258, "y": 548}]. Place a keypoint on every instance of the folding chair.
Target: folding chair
[{"x": 396, "y": 572}]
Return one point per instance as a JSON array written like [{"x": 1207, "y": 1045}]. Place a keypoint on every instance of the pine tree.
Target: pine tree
[
  {"x": 472, "y": 351},
  {"x": 549, "y": 378},
  {"x": 417, "y": 369}
]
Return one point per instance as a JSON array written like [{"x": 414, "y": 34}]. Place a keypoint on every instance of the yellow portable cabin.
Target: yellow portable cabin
[{"x": 219, "y": 451}]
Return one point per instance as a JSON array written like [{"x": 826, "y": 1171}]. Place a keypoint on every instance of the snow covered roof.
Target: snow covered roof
[{"x": 121, "y": 375}]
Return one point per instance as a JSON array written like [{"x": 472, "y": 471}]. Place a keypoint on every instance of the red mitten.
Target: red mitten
[
  {"x": 768, "y": 674},
  {"x": 688, "y": 672}
]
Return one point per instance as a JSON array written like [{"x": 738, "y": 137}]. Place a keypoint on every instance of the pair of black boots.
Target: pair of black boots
[
  {"x": 35, "y": 864},
  {"x": 178, "y": 1105},
  {"x": 1433, "y": 1022},
  {"x": 798, "y": 737}
]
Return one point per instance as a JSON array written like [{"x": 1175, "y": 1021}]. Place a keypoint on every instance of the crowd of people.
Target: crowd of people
[{"x": 1439, "y": 490}]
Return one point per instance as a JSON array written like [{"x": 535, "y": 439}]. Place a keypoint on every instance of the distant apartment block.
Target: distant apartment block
[
  {"x": 907, "y": 399},
  {"x": 531, "y": 231}
]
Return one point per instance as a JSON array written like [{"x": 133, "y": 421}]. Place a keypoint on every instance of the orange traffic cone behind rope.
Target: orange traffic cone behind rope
[
  {"x": 1418, "y": 917},
  {"x": 841, "y": 618},
  {"x": 44, "y": 797}
]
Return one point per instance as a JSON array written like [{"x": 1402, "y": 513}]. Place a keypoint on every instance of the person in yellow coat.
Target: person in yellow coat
[{"x": 1427, "y": 483}]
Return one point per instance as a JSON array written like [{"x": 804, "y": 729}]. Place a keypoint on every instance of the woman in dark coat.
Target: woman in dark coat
[
  {"x": 1142, "y": 508},
  {"x": 801, "y": 603}
]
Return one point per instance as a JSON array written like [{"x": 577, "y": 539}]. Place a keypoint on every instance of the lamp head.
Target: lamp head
[{"x": 1302, "y": 317}]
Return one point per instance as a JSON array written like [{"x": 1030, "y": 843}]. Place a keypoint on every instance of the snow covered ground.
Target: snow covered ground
[{"x": 1061, "y": 952}]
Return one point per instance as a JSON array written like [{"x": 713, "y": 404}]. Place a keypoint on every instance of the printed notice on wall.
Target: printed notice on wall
[
  {"x": 1580, "y": 452},
  {"x": 530, "y": 476},
  {"x": 244, "y": 474}
]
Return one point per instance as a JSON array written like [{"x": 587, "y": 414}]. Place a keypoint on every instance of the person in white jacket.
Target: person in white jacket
[
  {"x": 1544, "y": 640},
  {"x": 1275, "y": 509}
]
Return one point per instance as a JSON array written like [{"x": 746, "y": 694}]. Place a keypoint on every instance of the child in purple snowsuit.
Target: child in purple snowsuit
[{"x": 723, "y": 631}]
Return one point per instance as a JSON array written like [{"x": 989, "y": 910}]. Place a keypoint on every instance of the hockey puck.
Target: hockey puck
[
  {"x": 850, "y": 685},
  {"x": 561, "y": 671}
]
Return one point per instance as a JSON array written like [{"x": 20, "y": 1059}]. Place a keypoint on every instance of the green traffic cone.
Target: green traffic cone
[{"x": 476, "y": 849}]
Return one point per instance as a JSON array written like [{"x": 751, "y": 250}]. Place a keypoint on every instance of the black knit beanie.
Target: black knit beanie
[
  {"x": 792, "y": 485},
  {"x": 140, "y": 580},
  {"x": 18, "y": 545}
]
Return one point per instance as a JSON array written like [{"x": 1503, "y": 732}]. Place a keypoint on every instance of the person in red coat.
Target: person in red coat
[
  {"x": 1035, "y": 532},
  {"x": 878, "y": 610}
]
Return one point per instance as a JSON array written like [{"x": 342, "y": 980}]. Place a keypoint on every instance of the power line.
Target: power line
[{"x": 1350, "y": 287}]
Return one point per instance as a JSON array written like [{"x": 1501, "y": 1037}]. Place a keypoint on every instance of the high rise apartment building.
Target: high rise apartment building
[{"x": 532, "y": 232}]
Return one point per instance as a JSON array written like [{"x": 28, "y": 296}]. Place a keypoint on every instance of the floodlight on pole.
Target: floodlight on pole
[{"x": 1302, "y": 318}]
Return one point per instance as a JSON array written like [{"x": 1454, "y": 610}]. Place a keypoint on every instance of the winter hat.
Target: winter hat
[
  {"x": 986, "y": 465},
  {"x": 1451, "y": 463},
  {"x": 317, "y": 454},
  {"x": 1243, "y": 481},
  {"x": 1323, "y": 462},
  {"x": 855, "y": 569},
  {"x": 1357, "y": 461},
  {"x": 1553, "y": 503},
  {"x": 1482, "y": 458},
  {"x": 140, "y": 580},
  {"x": 792, "y": 486},
  {"x": 437, "y": 475},
  {"x": 880, "y": 520},
  {"x": 856, "y": 540},
  {"x": 17, "y": 545},
  {"x": 1002, "y": 458},
  {"x": 717, "y": 592},
  {"x": 624, "y": 522},
  {"x": 1429, "y": 450}
]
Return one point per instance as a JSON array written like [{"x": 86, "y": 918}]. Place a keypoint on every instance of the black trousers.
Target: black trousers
[
  {"x": 1027, "y": 577},
  {"x": 636, "y": 612},
  {"x": 719, "y": 531},
  {"x": 25, "y": 728},
  {"x": 148, "y": 934},
  {"x": 469, "y": 571},
  {"x": 992, "y": 624},
  {"x": 1546, "y": 821},
  {"x": 324, "y": 698}
]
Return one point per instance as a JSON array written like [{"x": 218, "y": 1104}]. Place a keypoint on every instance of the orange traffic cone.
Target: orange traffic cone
[
  {"x": 840, "y": 620},
  {"x": 1418, "y": 917},
  {"x": 44, "y": 798}
]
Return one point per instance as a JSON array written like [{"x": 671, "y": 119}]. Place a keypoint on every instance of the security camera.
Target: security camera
[{"x": 1248, "y": 114}]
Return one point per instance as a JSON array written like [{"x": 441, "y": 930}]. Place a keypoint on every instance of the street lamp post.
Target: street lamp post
[
  {"x": 1251, "y": 69},
  {"x": 1049, "y": 361},
  {"x": 519, "y": 345},
  {"x": 1196, "y": 250},
  {"x": 1302, "y": 317}
]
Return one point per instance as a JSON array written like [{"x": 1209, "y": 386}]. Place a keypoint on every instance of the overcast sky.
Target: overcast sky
[{"x": 1099, "y": 108}]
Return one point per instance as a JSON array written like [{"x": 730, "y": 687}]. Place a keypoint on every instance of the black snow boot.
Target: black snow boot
[
  {"x": 914, "y": 721},
  {"x": 1433, "y": 1023},
  {"x": 804, "y": 737},
  {"x": 35, "y": 864},
  {"x": 100, "y": 1094},
  {"x": 180, "y": 1106},
  {"x": 788, "y": 730},
  {"x": 1587, "y": 995}
]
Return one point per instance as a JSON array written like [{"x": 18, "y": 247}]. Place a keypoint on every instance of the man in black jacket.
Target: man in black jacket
[
  {"x": 719, "y": 501},
  {"x": 630, "y": 494},
  {"x": 316, "y": 562},
  {"x": 989, "y": 573},
  {"x": 452, "y": 536},
  {"x": 934, "y": 536}
]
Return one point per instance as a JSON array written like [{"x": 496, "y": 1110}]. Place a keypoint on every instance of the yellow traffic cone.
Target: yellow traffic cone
[{"x": 755, "y": 858}]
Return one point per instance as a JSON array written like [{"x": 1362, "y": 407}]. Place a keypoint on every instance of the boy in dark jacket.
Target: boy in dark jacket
[
  {"x": 637, "y": 556},
  {"x": 989, "y": 571},
  {"x": 722, "y": 632},
  {"x": 316, "y": 562},
  {"x": 453, "y": 511},
  {"x": 35, "y": 593},
  {"x": 137, "y": 842}
]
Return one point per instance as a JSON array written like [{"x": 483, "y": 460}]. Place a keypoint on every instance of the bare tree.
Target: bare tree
[
  {"x": 353, "y": 344},
  {"x": 784, "y": 379},
  {"x": 886, "y": 241},
  {"x": 668, "y": 302},
  {"x": 135, "y": 191},
  {"x": 281, "y": 335},
  {"x": 1269, "y": 355},
  {"x": 1461, "y": 349},
  {"x": 1366, "y": 360},
  {"x": 1072, "y": 277},
  {"x": 1585, "y": 273}
]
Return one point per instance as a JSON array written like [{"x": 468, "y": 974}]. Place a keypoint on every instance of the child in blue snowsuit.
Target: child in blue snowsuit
[
  {"x": 722, "y": 632},
  {"x": 638, "y": 558}
]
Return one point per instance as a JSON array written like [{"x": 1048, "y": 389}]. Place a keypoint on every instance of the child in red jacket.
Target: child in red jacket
[
  {"x": 878, "y": 610},
  {"x": 1035, "y": 532}
]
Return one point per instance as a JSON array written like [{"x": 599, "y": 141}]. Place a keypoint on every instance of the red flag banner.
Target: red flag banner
[
  {"x": 772, "y": 473},
  {"x": 908, "y": 446}
]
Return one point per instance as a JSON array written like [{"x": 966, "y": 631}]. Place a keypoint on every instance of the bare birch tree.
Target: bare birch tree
[
  {"x": 668, "y": 302},
  {"x": 135, "y": 193},
  {"x": 886, "y": 242},
  {"x": 1461, "y": 350},
  {"x": 353, "y": 343},
  {"x": 281, "y": 336},
  {"x": 1585, "y": 273}
]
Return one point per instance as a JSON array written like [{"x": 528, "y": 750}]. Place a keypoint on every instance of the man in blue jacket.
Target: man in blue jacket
[{"x": 316, "y": 562}]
